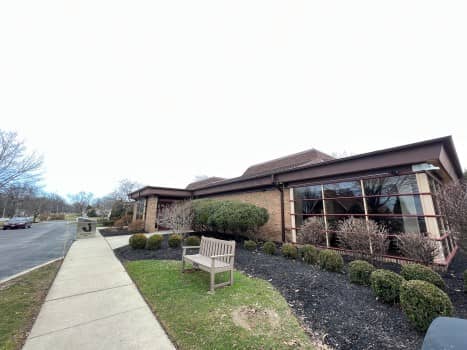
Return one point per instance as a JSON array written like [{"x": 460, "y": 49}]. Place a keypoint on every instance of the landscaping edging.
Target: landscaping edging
[{"x": 326, "y": 302}]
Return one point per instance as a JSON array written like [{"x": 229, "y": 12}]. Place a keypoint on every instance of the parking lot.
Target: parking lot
[{"x": 22, "y": 249}]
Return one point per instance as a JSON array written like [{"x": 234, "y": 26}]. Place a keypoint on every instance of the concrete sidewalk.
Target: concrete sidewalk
[{"x": 93, "y": 304}]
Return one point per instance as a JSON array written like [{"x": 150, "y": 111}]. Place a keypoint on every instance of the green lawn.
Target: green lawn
[
  {"x": 249, "y": 315},
  {"x": 20, "y": 302}
]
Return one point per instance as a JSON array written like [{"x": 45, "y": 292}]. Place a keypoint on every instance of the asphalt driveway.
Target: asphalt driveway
[{"x": 22, "y": 249}]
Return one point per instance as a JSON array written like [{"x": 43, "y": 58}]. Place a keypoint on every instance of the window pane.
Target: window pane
[
  {"x": 409, "y": 205},
  {"x": 398, "y": 225},
  {"x": 343, "y": 189},
  {"x": 309, "y": 192},
  {"x": 391, "y": 185},
  {"x": 344, "y": 206}
]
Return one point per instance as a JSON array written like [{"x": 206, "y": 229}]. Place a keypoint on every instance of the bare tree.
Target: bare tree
[
  {"x": 177, "y": 216},
  {"x": 124, "y": 188},
  {"x": 16, "y": 164},
  {"x": 452, "y": 200},
  {"x": 363, "y": 237},
  {"x": 313, "y": 231},
  {"x": 81, "y": 200},
  {"x": 417, "y": 247}
]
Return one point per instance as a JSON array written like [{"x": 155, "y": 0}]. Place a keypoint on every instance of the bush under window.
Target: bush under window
[
  {"x": 269, "y": 248},
  {"x": 250, "y": 245},
  {"x": 289, "y": 251},
  {"x": 330, "y": 260},
  {"x": 138, "y": 241},
  {"x": 154, "y": 242},
  {"x": 422, "y": 302},
  {"x": 386, "y": 285},
  {"x": 309, "y": 254},
  {"x": 192, "y": 241},
  {"x": 360, "y": 272},
  {"x": 422, "y": 273},
  {"x": 175, "y": 240}
]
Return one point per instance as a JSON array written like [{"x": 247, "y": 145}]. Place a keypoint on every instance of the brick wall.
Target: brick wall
[
  {"x": 270, "y": 200},
  {"x": 151, "y": 212}
]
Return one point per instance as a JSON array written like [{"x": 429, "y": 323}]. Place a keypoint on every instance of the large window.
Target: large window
[{"x": 392, "y": 201}]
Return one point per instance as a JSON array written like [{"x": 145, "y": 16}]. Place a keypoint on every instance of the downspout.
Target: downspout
[{"x": 280, "y": 187}]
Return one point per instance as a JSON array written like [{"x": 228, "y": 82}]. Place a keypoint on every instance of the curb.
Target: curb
[{"x": 31, "y": 269}]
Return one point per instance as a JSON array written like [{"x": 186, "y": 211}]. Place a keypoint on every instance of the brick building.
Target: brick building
[{"x": 394, "y": 187}]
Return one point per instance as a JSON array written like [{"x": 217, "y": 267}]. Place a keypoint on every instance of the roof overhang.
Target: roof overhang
[
  {"x": 150, "y": 191},
  {"x": 440, "y": 152}
]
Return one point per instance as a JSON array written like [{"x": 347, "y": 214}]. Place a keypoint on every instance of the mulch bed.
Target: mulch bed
[{"x": 346, "y": 315}]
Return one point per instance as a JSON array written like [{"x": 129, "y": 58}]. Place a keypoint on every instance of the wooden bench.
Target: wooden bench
[{"x": 215, "y": 255}]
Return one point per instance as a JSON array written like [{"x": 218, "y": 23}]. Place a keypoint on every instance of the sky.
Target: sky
[{"x": 162, "y": 91}]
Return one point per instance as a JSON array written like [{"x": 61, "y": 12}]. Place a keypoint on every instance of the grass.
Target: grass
[
  {"x": 251, "y": 314},
  {"x": 20, "y": 302}
]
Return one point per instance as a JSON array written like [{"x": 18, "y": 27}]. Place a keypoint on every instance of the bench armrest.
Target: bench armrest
[{"x": 214, "y": 257}]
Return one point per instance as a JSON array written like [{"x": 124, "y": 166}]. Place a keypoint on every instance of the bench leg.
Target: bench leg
[
  {"x": 231, "y": 277},
  {"x": 211, "y": 289},
  {"x": 183, "y": 265}
]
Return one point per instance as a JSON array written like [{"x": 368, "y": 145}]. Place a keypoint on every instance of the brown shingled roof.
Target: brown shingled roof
[
  {"x": 201, "y": 183},
  {"x": 311, "y": 156}
]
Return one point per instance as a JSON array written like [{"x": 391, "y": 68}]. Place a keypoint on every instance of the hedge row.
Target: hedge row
[{"x": 227, "y": 216}]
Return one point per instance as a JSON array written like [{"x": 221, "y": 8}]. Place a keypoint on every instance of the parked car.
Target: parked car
[
  {"x": 2, "y": 221},
  {"x": 18, "y": 222}
]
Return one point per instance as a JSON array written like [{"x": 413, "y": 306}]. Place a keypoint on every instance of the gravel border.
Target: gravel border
[{"x": 347, "y": 316}]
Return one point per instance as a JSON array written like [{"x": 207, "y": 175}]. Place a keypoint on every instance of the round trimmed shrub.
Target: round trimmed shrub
[
  {"x": 360, "y": 272},
  {"x": 154, "y": 242},
  {"x": 330, "y": 260},
  {"x": 422, "y": 302},
  {"x": 465, "y": 281},
  {"x": 422, "y": 273},
  {"x": 138, "y": 241},
  {"x": 192, "y": 241},
  {"x": 270, "y": 248},
  {"x": 175, "y": 240},
  {"x": 249, "y": 245},
  {"x": 309, "y": 254},
  {"x": 289, "y": 251},
  {"x": 386, "y": 285}
]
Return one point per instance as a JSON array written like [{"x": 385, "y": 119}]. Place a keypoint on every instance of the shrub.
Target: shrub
[
  {"x": 107, "y": 223},
  {"x": 422, "y": 302},
  {"x": 465, "y": 281},
  {"x": 138, "y": 241},
  {"x": 417, "y": 247},
  {"x": 386, "y": 285},
  {"x": 269, "y": 248},
  {"x": 362, "y": 236},
  {"x": 192, "y": 241},
  {"x": 175, "y": 240},
  {"x": 309, "y": 254},
  {"x": 250, "y": 245},
  {"x": 154, "y": 242},
  {"x": 360, "y": 272},
  {"x": 330, "y": 260},
  {"x": 422, "y": 273},
  {"x": 313, "y": 231},
  {"x": 227, "y": 216},
  {"x": 289, "y": 251},
  {"x": 136, "y": 226}
]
